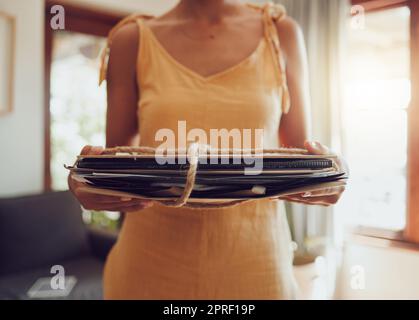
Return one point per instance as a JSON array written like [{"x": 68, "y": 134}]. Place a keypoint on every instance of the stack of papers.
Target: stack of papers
[{"x": 218, "y": 178}]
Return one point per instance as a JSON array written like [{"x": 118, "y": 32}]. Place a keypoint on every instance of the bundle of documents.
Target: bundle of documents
[{"x": 217, "y": 179}]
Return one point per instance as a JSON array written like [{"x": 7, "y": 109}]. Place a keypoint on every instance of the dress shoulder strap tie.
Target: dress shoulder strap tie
[{"x": 271, "y": 14}]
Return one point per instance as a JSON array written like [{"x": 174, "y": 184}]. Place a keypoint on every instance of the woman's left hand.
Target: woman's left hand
[{"x": 324, "y": 197}]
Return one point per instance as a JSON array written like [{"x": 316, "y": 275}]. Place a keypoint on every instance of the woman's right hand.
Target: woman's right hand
[{"x": 91, "y": 201}]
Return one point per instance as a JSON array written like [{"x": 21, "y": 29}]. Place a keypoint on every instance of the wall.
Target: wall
[
  {"x": 21, "y": 133},
  {"x": 145, "y": 6}
]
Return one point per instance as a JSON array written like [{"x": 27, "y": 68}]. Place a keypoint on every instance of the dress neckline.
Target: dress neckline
[{"x": 194, "y": 73}]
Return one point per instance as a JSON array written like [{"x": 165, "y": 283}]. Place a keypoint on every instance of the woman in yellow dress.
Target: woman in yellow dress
[{"x": 214, "y": 64}]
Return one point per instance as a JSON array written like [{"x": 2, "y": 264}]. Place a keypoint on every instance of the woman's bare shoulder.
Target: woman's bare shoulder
[
  {"x": 290, "y": 35},
  {"x": 123, "y": 55},
  {"x": 288, "y": 28},
  {"x": 123, "y": 46},
  {"x": 126, "y": 37}
]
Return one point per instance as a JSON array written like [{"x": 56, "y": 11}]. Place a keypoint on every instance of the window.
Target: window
[
  {"x": 77, "y": 105},
  {"x": 75, "y": 109},
  {"x": 390, "y": 95},
  {"x": 377, "y": 96}
]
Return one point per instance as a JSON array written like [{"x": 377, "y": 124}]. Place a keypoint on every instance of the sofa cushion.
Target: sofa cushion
[{"x": 40, "y": 230}]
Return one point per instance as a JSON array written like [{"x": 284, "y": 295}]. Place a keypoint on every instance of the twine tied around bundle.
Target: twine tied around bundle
[{"x": 193, "y": 153}]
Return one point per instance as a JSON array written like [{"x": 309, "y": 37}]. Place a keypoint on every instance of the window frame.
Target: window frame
[
  {"x": 377, "y": 5},
  {"x": 412, "y": 228},
  {"x": 411, "y": 231}
]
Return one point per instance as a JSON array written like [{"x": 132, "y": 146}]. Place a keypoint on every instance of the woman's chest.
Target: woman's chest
[{"x": 208, "y": 52}]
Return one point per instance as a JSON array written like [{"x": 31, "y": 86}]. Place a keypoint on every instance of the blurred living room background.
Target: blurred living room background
[{"x": 365, "y": 105}]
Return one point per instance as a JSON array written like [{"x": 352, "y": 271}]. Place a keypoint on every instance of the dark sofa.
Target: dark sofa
[{"x": 38, "y": 232}]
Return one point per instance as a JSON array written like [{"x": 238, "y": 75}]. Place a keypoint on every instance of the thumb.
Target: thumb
[
  {"x": 91, "y": 150},
  {"x": 316, "y": 148}
]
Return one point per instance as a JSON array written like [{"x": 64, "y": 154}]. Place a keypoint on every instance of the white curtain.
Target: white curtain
[{"x": 324, "y": 24}]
